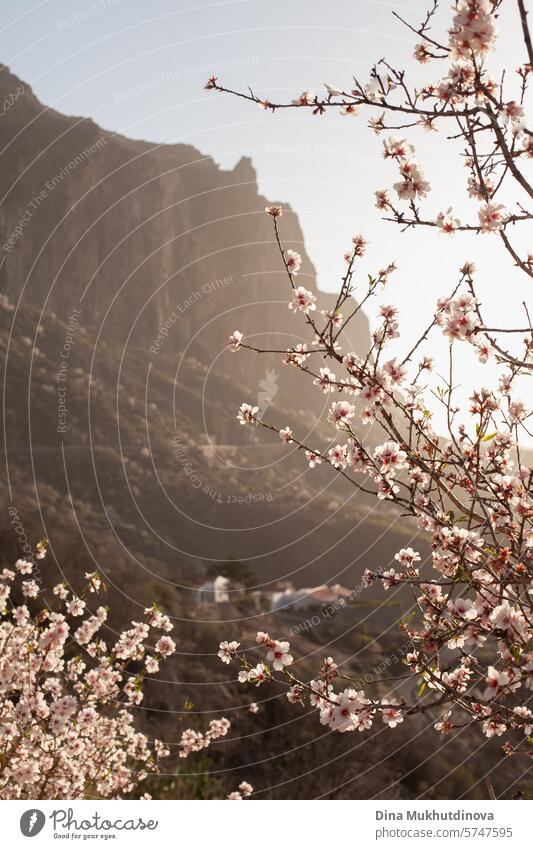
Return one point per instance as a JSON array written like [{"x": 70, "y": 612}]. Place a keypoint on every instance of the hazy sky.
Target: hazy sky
[{"x": 138, "y": 68}]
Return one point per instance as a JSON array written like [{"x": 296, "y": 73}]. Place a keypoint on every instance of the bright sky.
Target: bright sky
[{"x": 138, "y": 68}]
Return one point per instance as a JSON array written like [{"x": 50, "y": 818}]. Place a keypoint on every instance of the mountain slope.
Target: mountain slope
[{"x": 129, "y": 264}]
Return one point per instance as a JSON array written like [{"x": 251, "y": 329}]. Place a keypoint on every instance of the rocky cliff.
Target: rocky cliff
[
  {"x": 136, "y": 235},
  {"x": 126, "y": 265}
]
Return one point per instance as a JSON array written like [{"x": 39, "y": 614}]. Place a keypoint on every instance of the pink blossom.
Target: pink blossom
[
  {"x": 446, "y": 221},
  {"x": 303, "y": 300},
  {"x": 491, "y": 217},
  {"x": 30, "y": 589},
  {"x": 235, "y": 340},
  {"x": 279, "y": 655},
  {"x": 227, "y": 650},
  {"x": 165, "y": 646},
  {"x": 340, "y": 413},
  {"x": 496, "y": 682},
  {"x": 313, "y": 459},
  {"x": 305, "y": 99},
  {"x": 286, "y": 435},
  {"x": 246, "y": 414},
  {"x": 294, "y": 262},
  {"x": 391, "y": 715}
]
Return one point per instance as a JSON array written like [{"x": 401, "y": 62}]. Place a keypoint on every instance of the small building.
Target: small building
[
  {"x": 214, "y": 592},
  {"x": 310, "y": 598}
]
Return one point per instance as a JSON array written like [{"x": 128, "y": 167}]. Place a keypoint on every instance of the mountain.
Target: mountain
[
  {"x": 137, "y": 234},
  {"x": 128, "y": 265}
]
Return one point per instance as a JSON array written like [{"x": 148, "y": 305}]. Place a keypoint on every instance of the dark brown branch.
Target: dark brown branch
[{"x": 525, "y": 30}]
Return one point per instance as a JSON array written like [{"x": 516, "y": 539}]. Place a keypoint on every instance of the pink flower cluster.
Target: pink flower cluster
[
  {"x": 482, "y": 595},
  {"x": 347, "y": 710},
  {"x": 413, "y": 183},
  {"x": 195, "y": 741},
  {"x": 470, "y": 491},
  {"x": 65, "y": 724},
  {"x": 473, "y": 32}
]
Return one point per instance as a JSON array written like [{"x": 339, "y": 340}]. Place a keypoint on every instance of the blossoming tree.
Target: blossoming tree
[
  {"x": 469, "y": 491},
  {"x": 67, "y": 697}
]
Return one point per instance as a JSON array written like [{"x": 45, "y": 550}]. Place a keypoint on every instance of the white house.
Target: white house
[{"x": 214, "y": 592}]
